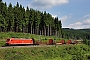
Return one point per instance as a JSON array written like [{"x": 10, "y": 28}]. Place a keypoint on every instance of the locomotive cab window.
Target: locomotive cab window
[
  {"x": 11, "y": 40},
  {"x": 8, "y": 40}
]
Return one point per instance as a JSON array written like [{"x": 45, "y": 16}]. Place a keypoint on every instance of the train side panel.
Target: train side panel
[{"x": 19, "y": 41}]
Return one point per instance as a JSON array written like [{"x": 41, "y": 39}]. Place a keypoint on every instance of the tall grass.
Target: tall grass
[{"x": 71, "y": 52}]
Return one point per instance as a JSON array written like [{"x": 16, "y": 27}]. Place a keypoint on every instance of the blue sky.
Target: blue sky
[{"x": 73, "y": 13}]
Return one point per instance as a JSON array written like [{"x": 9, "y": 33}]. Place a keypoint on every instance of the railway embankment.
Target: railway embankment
[{"x": 60, "y": 52}]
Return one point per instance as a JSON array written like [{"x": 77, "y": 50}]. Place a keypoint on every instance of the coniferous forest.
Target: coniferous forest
[
  {"x": 18, "y": 19},
  {"x": 76, "y": 33}
]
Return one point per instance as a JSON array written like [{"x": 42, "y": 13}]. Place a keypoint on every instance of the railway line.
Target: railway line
[
  {"x": 33, "y": 46},
  {"x": 29, "y": 46}
]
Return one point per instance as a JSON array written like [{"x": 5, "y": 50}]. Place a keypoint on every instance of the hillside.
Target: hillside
[
  {"x": 76, "y": 33},
  {"x": 55, "y": 52},
  {"x": 63, "y": 52}
]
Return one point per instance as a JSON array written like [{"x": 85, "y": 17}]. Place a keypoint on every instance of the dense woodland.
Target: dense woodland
[
  {"x": 76, "y": 33},
  {"x": 18, "y": 19}
]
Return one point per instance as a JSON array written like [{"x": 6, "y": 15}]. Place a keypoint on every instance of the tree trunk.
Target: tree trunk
[
  {"x": 22, "y": 28},
  {"x": 26, "y": 28},
  {"x": 45, "y": 33},
  {"x": 56, "y": 33},
  {"x": 16, "y": 28},
  {"x": 0, "y": 29},
  {"x": 48, "y": 30},
  {"x": 37, "y": 30},
  {"x": 31, "y": 29},
  {"x": 44, "y": 30},
  {"x": 40, "y": 32}
]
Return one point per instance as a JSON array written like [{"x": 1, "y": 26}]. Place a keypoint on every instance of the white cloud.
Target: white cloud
[
  {"x": 44, "y": 4},
  {"x": 88, "y": 15},
  {"x": 80, "y": 25},
  {"x": 77, "y": 25},
  {"x": 54, "y": 16},
  {"x": 66, "y": 17},
  {"x": 86, "y": 22}
]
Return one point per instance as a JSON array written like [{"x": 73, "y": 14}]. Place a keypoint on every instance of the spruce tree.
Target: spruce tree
[
  {"x": 0, "y": 0},
  {"x": 10, "y": 19}
]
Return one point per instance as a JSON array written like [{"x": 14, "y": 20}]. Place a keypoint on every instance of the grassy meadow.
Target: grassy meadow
[{"x": 59, "y": 52}]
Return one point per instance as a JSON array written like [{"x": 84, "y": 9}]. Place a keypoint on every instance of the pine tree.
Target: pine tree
[
  {"x": 23, "y": 19},
  {"x": 37, "y": 19},
  {"x": 60, "y": 29},
  {"x": 4, "y": 14},
  {"x": 56, "y": 25},
  {"x": 50, "y": 21},
  {"x": 10, "y": 18},
  {"x": 2, "y": 23},
  {"x": 16, "y": 12},
  {"x": 31, "y": 20},
  {"x": 0, "y": 0}
]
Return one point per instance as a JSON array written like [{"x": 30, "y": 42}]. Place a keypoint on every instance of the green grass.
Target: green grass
[
  {"x": 5, "y": 35},
  {"x": 70, "y": 52},
  {"x": 62, "y": 52}
]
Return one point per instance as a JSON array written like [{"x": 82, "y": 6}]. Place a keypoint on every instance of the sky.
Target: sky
[{"x": 72, "y": 13}]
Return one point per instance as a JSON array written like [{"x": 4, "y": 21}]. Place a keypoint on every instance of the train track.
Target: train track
[{"x": 32, "y": 46}]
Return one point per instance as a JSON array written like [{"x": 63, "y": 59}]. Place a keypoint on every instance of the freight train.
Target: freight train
[{"x": 22, "y": 41}]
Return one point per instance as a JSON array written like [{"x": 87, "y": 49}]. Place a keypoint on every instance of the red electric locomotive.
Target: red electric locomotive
[{"x": 20, "y": 41}]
